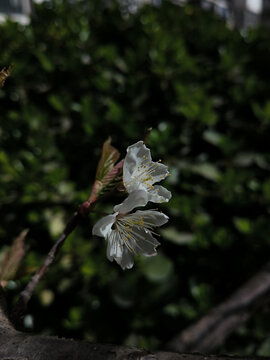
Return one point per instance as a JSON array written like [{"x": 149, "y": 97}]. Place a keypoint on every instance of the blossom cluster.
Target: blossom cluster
[{"x": 130, "y": 233}]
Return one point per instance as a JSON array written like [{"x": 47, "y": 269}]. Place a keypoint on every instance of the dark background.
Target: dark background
[{"x": 89, "y": 70}]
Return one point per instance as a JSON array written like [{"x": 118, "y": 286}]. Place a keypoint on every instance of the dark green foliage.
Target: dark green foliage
[{"x": 84, "y": 72}]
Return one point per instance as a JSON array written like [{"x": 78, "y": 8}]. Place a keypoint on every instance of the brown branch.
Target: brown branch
[
  {"x": 20, "y": 346},
  {"x": 21, "y": 305},
  {"x": 213, "y": 328}
]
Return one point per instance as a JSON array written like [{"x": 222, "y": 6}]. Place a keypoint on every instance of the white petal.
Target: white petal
[
  {"x": 136, "y": 154},
  {"x": 144, "y": 174},
  {"x": 136, "y": 231},
  {"x": 126, "y": 262},
  {"x": 152, "y": 218},
  {"x": 117, "y": 251},
  {"x": 103, "y": 226},
  {"x": 159, "y": 194},
  {"x": 158, "y": 171},
  {"x": 139, "y": 171},
  {"x": 114, "y": 247},
  {"x": 145, "y": 243},
  {"x": 135, "y": 199}
]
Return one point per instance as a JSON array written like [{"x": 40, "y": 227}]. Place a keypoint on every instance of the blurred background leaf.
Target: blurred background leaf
[
  {"x": 12, "y": 258},
  {"x": 86, "y": 70}
]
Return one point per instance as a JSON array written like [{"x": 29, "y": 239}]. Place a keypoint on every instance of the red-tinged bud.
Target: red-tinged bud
[{"x": 109, "y": 175}]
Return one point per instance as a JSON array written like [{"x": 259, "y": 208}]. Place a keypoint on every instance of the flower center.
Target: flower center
[{"x": 144, "y": 174}]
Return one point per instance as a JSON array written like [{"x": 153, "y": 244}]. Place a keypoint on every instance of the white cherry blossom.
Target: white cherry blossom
[
  {"x": 140, "y": 173},
  {"x": 129, "y": 234}
]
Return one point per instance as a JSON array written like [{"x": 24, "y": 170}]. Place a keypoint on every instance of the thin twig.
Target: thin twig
[{"x": 18, "y": 310}]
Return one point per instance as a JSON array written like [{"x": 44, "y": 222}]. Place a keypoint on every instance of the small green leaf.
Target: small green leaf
[
  {"x": 45, "y": 61},
  {"x": 179, "y": 238},
  {"x": 242, "y": 225},
  {"x": 158, "y": 268},
  {"x": 264, "y": 349},
  {"x": 206, "y": 170},
  {"x": 57, "y": 103},
  {"x": 46, "y": 297},
  {"x": 213, "y": 137}
]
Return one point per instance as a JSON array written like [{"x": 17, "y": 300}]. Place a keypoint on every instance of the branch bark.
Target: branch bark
[
  {"x": 212, "y": 329},
  {"x": 23, "y": 346}
]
